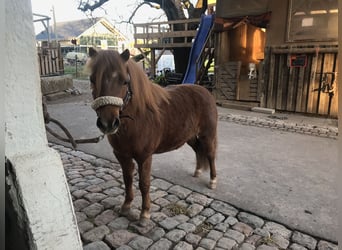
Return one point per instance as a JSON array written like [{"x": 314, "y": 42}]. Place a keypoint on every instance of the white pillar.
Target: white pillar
[{"x": 37, "y": 182}]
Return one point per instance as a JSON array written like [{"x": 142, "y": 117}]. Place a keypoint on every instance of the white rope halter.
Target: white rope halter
[{"x": 106, "y": 100}]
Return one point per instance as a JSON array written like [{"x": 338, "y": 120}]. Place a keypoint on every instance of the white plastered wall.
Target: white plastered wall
[{"x": 40, "y": 184}]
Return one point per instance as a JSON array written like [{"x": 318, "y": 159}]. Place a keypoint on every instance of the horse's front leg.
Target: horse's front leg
[
  {"x": 127, "y": 167},
  {"x": 144, "y": 185}
]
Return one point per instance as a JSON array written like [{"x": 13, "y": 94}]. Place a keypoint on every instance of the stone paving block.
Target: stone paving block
[
  {"x": 224, "y": 208},
  {"x": 156, "y": 234},
  {"x": 246, "y": 246},
  {"x": 80, "y": 204},
  {"x": 109, "y": 184},
  {"x": 207, "y": 212},
  {"x": 94, "y": 189},
  {"x": 97, "y": 245},
  {"x": 182, "y": 245},
  {"x": 253, "y": 239},
  {"x": 304, "y": 240},
  {"x": 105, "y": 217},
  {"x": 162, "y": 202},
  {"x": 226, "y": 243},
  {"x": 262, "y": 232},
  {"x": 265, "y": 247},
  {"x": 222, "y": 227},
  {"x": 76, "y": 180},
  {"x": 181, "y": 218},
  {"x": 157, "y": 194},
  {"x": 231, "y": 220},
  {"x": 169, "y": 223},
  {"x": 194, "y": 209},
  {"x": 87, "y": 172},
  {"x": 235, "y": 235},
  {"x": 79, "y": 193},
  {"x": 147, "y": 227},
  {"x": 324, "y": 245},
  {"x": 79, "y": 185},
  {"x": 158, "y": 216},
  {"x": 187, "y": 227},
  {"x": 119, "y": 238},
  {"x": 114, "y": 191},
  {"x": 161, "y": 184},
  {"x": 182, "y": 203},
  {"x": 93, "y": 209},
  {"x": 279, "y": 241},
  {"x": 95, "y": 234},
  {"x": 243, "y": 228},
  {"x": 295, "y": 246},
  {"x": 199, "y": 199},
  {"x": 175, "y": 235},
  {"x": 207, "y": 243},
  {"x": 85, "y": 226},
  {"x": 119, "y": 223},
  {"x": 250, "y": 219},
  {"x": 140, "y": 243},
  {"x": 172, "y": 198},
  {"x": 193, "y": 239},
  {"x": 124, "y": 247},
  {"x": 111, "y": 202},
  {"x": 80, "y": 216},
  {"x": 215, "y": 219},
  {"x": 161, "y": 244},
  {"x": 95, "y": 197},
  {"x": 179, "y": 191},
  {"x": 107, "y": 177},
  {"x": 274, "y": 228},
  {"x": 214, "y": 235},
  {"x": 197, "y": 220}
]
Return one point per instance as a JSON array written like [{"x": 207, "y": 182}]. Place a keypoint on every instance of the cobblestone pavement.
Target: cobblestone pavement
[
  {"x": 274, "y": 123},
  {"x": 180, "y": 218}
]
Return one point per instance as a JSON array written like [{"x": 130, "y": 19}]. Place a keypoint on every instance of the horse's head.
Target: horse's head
[{"x": 110, "y": 83}]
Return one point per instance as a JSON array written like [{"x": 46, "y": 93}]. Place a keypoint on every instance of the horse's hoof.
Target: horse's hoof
[
  {"x": 125, "y": 210},
  {"x": 143, "y": 222},
  {"x": 212, "y": 184},
  {"x": 197, "y": 173}
]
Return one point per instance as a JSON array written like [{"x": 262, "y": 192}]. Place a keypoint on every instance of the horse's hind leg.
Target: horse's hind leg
[
  {"x": 213, "y": 180},
  {"x": 201, "y": 160},
  {"x": 211, "y": 154},
  {"x": 127, "y": 167}
]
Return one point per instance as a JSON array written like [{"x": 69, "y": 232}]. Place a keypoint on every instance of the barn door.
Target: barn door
[{"x": 309, "y": 88}]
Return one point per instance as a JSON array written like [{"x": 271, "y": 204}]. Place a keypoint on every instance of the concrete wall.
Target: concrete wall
[{"x": 37, "y": 181}]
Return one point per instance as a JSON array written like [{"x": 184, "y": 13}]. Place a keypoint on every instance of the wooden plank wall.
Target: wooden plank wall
[
  {"x": 227, "y": 77},
  {"x": 299, "y": 89},
  {"x": 50, "y": 61}
]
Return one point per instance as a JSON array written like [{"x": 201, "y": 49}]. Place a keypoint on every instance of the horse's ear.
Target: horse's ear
[
  {"x": 125, "y": 55},
  {"x": 92, "y": 52}
]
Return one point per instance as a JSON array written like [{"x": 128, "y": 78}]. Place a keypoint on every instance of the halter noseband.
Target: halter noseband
[{"x": 113, "y": 100}]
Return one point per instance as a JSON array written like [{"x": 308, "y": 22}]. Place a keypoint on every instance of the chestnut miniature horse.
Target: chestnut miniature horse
[{"x": 141, "y": 118}]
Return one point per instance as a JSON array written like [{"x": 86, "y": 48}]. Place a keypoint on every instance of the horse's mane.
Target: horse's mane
[{"x": 146, "y": 95}]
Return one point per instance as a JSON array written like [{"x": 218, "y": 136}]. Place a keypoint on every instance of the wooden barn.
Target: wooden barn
[{"x": 277, "y": 54}]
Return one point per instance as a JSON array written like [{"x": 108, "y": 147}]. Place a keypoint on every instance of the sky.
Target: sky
[{"x": 116, "y": 11}]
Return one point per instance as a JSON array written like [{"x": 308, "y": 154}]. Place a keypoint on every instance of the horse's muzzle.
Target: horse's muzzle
[{"x": 108, "y": 128}]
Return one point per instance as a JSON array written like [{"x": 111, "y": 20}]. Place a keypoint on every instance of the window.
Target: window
[{"x": 313, "y": 20}]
